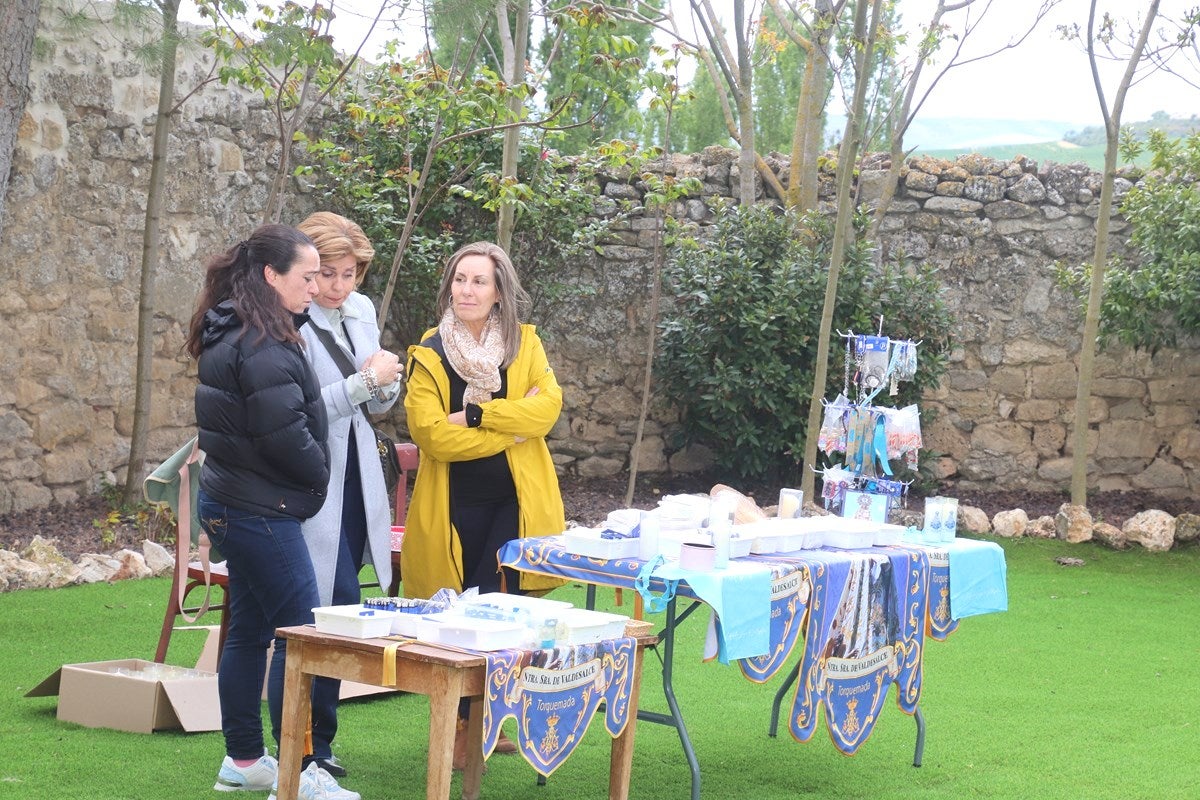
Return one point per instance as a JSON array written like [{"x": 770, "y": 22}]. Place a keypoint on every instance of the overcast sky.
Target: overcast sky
[{"x": 1045, "y": 78}]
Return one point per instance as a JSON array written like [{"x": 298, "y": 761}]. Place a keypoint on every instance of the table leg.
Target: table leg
[
  {"x": 920, "y": 748},
  {"x": 780, "y": 695},
  {"x": 473, "y": 773},
  {"x": 675, "y": 718},
  {"x": 443, "y": 717},
  {"x": 297, "y": 709},
  {"x": 621, "y": 759}
]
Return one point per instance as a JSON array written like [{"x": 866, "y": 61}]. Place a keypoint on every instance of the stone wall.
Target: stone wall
[
  {"x": 1002, "y": 415},
  {"x": 70, "y": 256}
]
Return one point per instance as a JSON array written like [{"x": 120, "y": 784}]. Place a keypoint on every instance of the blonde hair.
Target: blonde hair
[
  {"x": 337, "y": 237},
  {"x": 513, "y": 300}
]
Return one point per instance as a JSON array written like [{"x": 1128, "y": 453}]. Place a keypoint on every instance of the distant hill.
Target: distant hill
[
  {"x": 972, "y": 134},
  {"x": 1042, "y": 140},
  {"x": 1061, "y": 152},
  {"x": 1174, "y": 127}
]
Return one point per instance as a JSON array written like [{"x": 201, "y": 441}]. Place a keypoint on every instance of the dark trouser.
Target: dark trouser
[
  {"x": 271, "y": 585},
  {"x": 482, "y": 531}
]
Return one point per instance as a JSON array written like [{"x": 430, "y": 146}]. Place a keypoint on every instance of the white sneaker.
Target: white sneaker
[
  {"x": 329, "y": 784},
  {"x": 317, "y": 784},
  {"x": 258, "y": 777}
]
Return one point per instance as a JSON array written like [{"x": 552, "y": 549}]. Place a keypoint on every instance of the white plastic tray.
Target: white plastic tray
[
  {"x": 474, "y": 634},
  {"x": 356, "y": 621},
  {"x": 583, "y": 626},
  {"x": 587, "y": 542}
]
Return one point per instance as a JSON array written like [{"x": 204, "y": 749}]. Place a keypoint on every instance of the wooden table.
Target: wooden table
[{"x": 445, "y": 676}]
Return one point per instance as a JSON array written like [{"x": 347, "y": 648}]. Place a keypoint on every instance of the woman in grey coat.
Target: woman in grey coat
[{"x": 353, "y": 528}]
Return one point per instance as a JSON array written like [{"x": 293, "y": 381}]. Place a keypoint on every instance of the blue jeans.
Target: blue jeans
[{"x": 271, "y": 585}]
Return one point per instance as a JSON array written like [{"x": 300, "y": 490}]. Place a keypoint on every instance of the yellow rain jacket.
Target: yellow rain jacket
[{"x": 432, "y": 555}]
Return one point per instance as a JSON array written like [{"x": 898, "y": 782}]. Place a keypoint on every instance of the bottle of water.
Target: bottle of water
[
  {"x": 648, "y": 536},
  {"x": 721, "y": 535}
]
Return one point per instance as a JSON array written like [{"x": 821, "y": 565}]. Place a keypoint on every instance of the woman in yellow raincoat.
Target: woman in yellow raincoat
[{"x": 481, "y": 399}]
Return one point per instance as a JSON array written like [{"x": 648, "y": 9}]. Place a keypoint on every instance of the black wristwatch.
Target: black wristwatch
[{"x": 474, "y": 415}]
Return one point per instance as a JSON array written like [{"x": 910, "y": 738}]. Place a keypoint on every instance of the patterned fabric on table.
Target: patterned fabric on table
[
  {"x": 553, "y": 695},
  {"x": 940, "y": 623},
  {"x": 866, "y": 631},
  {"x": 789, "y": 601}
]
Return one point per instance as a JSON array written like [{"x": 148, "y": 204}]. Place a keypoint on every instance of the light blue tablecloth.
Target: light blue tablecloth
[
  {"x": 978, "y": 578},
  {"x": 740, "y": 594}
]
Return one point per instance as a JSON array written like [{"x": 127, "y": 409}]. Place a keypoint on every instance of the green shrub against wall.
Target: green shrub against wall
[{"x": 739, "y": 340}]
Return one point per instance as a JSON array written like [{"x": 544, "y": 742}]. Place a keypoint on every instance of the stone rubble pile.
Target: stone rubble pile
[{"x": 39, "y": 565}]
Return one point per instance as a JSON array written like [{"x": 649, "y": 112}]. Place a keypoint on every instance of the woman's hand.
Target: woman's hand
[{"x": 386, "y": 365}]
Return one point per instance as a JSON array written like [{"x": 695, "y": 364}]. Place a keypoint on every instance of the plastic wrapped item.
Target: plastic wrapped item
[
  {"x": 720, "y": 538},
  {"x": 682, "y": 512},
  {"x": 744, "y": 508},
  {"x": 791, "y": 503}
]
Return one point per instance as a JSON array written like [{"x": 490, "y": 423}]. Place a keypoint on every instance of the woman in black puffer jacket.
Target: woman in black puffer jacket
[{"x": 262, "y": 429}]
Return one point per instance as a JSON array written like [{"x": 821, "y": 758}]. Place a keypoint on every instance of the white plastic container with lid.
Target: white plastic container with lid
[
  {"x": 583, "y": 626},
  {"x": 472, "y": 633},
  {"x": 356, "y": 621}
]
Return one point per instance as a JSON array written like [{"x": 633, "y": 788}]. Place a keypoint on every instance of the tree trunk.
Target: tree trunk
[
  {"x": 1091, "y": 323},
  {"x": 745, "y": 107},
  {"x": 808, "y": 132},
  {"x": 18, "y": 27},
  {"x": 150, "y": 244},
  {"x": 515, "y": 46},
  {"x": 847, "y": 156}
]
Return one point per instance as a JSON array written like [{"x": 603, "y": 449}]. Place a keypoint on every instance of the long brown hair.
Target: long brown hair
[
  {"x": 237, "y": 275},
  {"x": 513, "y": 302}
]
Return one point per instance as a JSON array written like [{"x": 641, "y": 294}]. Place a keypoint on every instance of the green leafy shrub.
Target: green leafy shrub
[
  {"x": 398, "y": 118},
  {"x": 739, "y": 341},
  {"x": 1151, "y": 303}
]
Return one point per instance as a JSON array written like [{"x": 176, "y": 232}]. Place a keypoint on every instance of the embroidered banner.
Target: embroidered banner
[
  {"x": 553, "y": 694},
  {"x": 865, "y": 631},
  {"x": 940, "y": 622},
  {"x": 789, "y": 601}
]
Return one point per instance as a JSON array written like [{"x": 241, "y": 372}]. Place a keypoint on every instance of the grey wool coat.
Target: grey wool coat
[{"x": 322, "y": 532}]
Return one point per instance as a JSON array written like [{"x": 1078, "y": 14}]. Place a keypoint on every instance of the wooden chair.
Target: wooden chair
[
  {"x": 173, "y": 485},
  {"x": 189, "y": 577},
  {"x": 409, "y": 456}
]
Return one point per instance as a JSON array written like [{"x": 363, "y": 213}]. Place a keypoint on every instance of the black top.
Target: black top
[
  {"x": 483, "y": 480},
  {"x": 262, "y": 421}
]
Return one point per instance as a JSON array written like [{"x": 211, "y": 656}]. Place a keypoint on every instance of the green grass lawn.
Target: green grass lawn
[{"x": 1085, "y": 688}]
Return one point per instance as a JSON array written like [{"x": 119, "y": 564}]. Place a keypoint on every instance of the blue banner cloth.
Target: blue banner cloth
[
  {"x": 865, "y": 632},
  {"x": 553, "y": 694},
  {"x": 789, "y": 602},
  {"x": 863, "y": 614}
]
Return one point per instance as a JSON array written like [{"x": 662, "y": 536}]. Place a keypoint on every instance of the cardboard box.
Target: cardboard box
[{"x": 94, "y": 696}]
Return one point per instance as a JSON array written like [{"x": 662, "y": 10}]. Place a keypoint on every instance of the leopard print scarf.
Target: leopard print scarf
[{"x": 477, "y": 362}]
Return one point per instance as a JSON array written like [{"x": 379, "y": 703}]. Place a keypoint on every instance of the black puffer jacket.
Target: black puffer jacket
[{"x": 262, "y": 422}]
